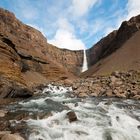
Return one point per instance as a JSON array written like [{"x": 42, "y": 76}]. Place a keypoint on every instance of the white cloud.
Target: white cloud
[
  {"x": 64, "y": 24},
  {"x": 26, "y": 9},
  {"x": 65, "y": 36},
  {"x": 133, "y": 8},
  {"x": 29, "y": 13},
  {"x": 66, "y": 39},
  {"x": 81, "y": 7}
]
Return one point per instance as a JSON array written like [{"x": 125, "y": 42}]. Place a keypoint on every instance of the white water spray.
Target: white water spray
[{"x": 85, "y": 65}]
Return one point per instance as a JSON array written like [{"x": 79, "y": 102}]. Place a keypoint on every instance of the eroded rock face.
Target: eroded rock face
[{"x": 28, "y": 60}]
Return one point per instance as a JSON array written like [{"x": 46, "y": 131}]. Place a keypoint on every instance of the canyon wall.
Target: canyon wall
[{"x": 26, "y": 59}]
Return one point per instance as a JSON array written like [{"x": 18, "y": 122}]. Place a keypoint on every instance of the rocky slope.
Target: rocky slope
[
  {"x": 27, "y": 60},
  {"x": 119, "y": 84},
  {"x": 114, "y": 52}
]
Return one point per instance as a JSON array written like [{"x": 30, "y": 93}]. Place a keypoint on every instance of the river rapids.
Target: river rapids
[{"x": 98, "y": 118}]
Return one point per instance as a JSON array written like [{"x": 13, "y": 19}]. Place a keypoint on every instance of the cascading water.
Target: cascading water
[
  {"x": 98, "y": 118},
  {"x": 85, "y": 64}
]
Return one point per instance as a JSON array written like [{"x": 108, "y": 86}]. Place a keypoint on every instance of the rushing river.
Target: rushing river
[{"x": 98, "y": 118}]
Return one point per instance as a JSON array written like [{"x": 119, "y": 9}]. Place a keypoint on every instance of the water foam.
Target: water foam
[{"x": 98, "y": 119}]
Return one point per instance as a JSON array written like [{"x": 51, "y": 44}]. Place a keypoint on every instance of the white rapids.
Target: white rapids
[{"x": 98, "y": 119}]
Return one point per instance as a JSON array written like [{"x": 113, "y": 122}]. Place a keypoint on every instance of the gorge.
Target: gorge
[{"x": 48, "y": 93}]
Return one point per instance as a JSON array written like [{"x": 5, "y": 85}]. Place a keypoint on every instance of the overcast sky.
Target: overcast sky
[{"x": 73, "y": 24}]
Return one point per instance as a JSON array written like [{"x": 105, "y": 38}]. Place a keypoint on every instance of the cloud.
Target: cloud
[
  {"x": 66, "y": 39},
  {"x": 64, "y": 24},
  {"x": 26, "y": 9},
  {"x": 133, "y": 8},
  {"x": 81, "y": 7}
]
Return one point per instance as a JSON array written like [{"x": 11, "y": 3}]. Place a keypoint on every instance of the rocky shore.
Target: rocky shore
[{"x": 119, "y": 84}]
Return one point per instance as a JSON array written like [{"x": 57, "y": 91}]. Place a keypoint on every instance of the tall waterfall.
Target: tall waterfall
[{"x": 85, "y": 65}]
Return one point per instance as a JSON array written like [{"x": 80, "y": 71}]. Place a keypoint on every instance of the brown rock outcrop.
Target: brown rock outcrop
[{"x": 26, "y": 59}]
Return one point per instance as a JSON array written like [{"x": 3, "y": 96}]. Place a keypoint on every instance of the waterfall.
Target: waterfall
[{"x": 85, "y": 65}]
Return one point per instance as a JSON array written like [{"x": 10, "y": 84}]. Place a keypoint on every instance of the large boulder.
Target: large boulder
[
  {"x": 72, "y": 116},
  {"x": 12, "y": 137}
]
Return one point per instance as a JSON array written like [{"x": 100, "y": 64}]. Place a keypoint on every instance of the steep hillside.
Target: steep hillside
[
  {"x": 113, "y": 41},
  {"x": 125, "y": 58},
  {"x": 117, "y": 51}
]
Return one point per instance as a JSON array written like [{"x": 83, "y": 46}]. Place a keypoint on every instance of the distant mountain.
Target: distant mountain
[{"x": 118, "y": 51}]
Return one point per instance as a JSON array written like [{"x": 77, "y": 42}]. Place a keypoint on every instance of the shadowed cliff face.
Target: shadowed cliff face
[
  {"x": 113, "y": 41},
  {"x": 27, "y": 59},
  {"x": 103, "y": 52}
]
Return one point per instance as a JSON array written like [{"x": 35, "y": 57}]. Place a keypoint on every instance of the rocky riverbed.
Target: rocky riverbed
[
  {"x": 57, "y": 114},
  {"x": 80, "y": 109},
  {"x": 119, "y": 84}
]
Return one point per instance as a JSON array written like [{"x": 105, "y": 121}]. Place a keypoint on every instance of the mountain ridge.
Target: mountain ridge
[{"x": 110, "y": 44}]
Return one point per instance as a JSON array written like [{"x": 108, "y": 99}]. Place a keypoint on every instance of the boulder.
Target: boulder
[
  {"x": 72, "y": 116},
  {"x": 2, "y": 133},
  {"x": 12, "y": 137},
  {"x": 2, "y": 113}
]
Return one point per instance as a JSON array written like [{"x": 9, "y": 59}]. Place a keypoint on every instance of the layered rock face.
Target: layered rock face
[
  {"x": 27, "y": 60},
  {"x": 111, "y": 52}
]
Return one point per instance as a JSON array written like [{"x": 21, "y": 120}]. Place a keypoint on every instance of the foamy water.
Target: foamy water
[{"x": 98, "y": 119}]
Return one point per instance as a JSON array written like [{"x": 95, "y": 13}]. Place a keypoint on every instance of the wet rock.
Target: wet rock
[
  {"x": 94, "y": 94},
  {"x": 109, "y": 102},
  {"x": 20, "y": 93},
  {"x": 109, "y": 93},
  {"x": 43, "y": 115},
  {"x": 117, "y": 118},
  {"x": 25, "y": 116},
  {"x": 138, "y": 127},
  {"x": 120, "y": 95},
  {"x": 12, "y": 137},
  {"x": 2, "y": 113},
  {"x": 4, "y": 125},
  {"x": 107, "y": 136},
  {"x": 55, "y": 106},
  {"x": 82, "y": 95},
  {"x": 136, "y": 97},
  {"x": 2, "y": 133},
  {"x": 72, "y": 116}
]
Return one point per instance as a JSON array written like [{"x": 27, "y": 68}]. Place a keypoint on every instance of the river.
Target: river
[{"x": 98, "y": 118}]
